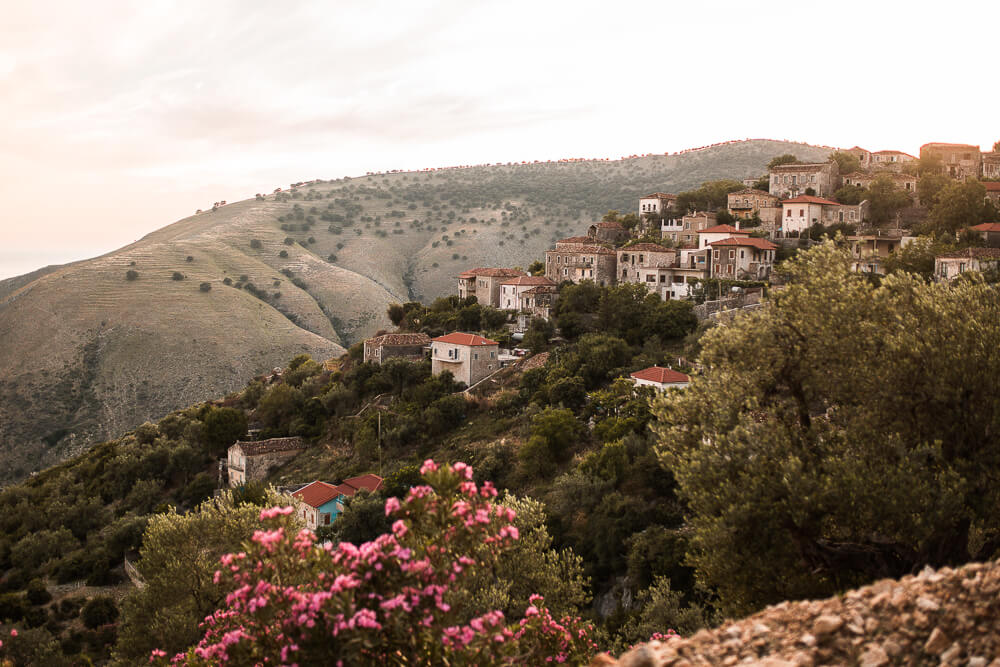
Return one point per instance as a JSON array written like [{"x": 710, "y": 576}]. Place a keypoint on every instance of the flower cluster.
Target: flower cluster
[{"x": 294, "y": 601}]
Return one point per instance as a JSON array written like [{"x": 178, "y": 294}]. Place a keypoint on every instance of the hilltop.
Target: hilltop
[{"x": 89, "y": 354}]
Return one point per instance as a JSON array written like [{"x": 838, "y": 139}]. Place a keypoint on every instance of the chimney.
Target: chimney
[{"x": 737, "y": 223}]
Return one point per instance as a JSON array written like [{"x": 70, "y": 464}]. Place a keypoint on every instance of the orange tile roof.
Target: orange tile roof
[
  {"x": 809, "y": 199},
  {"x": 760, "y": 244},
  {"x": 992, "y": 186},
  {"x": 723, "y": 229},
  {"x": 458, "y": 338},
  {"x": 369, "y": 482},
  {"x": 316, "y": 494},
  {"x": 661, "y": 375}
]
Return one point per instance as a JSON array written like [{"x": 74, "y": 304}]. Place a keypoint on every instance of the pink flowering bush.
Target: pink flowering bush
[{"x": 293, "y": 601}]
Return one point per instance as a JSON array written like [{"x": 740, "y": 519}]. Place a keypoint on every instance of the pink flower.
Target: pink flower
[
  {"x": 428, "y": 466},
  {"x": 399, "y": 528},
  {"x": 391, "y": 505},
  {"x": 275, "y": 511},
  {"x": 13, "y": 632},
  {"x": 156, "y": 653},
  {"x": 463, "y": 469}
]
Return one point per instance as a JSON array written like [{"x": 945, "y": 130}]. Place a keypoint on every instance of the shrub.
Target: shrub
[
  {"x": 289, "y": 240},
  {"x": 445, "y": 534},
  {"x": 205, "y": 287},
  {"x": 177, "y": 275},
  {"x": 311, "y": 240},
  {"x": 98, "y": 611},
  {"x": 244, "y": 278},
  {"x": 227, "y": 281},
  {"x": 283, "y": 254},
  {"x": 37, "y": 593},
  {"x": 255, "y": 243},
  {"x": 131, "y": 274},
  {"x": 189, "y": 259},
  {"x": 331, "y": 257}
]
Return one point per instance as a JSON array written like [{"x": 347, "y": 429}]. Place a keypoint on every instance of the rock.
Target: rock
[
  {"x": 937, "y": 642},
  {"x": 892, "y": 648},
  {"x": 773, "y": 662},
  {"x": 874, "y": 656},
  {"x": 808, "y": 639},
  {"x": 977, "y": 661},
  {"x": 952, "y": 655},
  {"x": 603, "y": 660},
  {"x": 827, "y": 624},
  {"x": 927, "y": 604}
]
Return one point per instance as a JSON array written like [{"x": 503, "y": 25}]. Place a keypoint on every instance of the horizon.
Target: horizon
[{"x": 118, "y": 122}]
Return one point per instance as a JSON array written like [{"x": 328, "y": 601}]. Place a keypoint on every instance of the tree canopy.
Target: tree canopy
[{"x": 844, "y": 432}]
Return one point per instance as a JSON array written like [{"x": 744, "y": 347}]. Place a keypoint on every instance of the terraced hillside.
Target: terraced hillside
[{"x": 88, "y": 353}]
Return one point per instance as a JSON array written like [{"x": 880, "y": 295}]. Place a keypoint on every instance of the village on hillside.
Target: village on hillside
[{"x": 681, "y": 248}]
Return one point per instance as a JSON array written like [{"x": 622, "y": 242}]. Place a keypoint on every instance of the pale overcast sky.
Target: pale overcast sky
[{"x": 117, "y": 118}]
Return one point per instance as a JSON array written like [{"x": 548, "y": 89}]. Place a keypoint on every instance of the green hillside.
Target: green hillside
[{"x": 88, "y": 353}]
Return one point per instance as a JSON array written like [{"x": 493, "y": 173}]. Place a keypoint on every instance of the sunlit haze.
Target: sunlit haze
[{"x": 118, "y": 118}]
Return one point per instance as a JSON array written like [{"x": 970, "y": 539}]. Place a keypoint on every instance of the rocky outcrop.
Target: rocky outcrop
[{"x": 943, "y": 617}]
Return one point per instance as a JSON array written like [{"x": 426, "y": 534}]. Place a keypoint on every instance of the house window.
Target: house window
[
  {"x": 326, "y": 519},
  {"x": 742, "y": 255},
  {"x": 801, "y": 213},
  {"x": 732, "y": 254},
  {"x": 789, "y": 212},
  {"x": 475, "y": 355},
  {"x": 493, "y": 355},
  {"x": 640, "y": 259},
  {"x": 663, "y": 279},
  {"x": 715, "y": 254},
  {"x": 650, "y": 278}
]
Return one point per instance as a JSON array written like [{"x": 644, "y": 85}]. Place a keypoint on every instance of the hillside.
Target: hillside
[{"x": 88, "y": 354}]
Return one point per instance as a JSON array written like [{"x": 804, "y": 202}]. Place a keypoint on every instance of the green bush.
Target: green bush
[
  {"x": 98, "y": 611},
  {"x": 189, "y": 259},
  {"x": 283, "y": 254},
  {"x": 177, "y": 275},
  {"x": 37, "y": 593},
  {"x": 131, "y": 274},
  {"x": 205, "y": 287},
  {"x": 289, "y": 240},
  {"x": 256, "y": 244}
]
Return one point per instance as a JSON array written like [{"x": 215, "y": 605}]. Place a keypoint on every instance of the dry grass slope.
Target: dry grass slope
[{"x": 87, "y": 354}]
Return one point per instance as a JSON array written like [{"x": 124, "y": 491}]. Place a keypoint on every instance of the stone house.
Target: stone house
[
  {"x": 484, "y": 284},
  {"x": 791, "y": 180},
  {"x": 707, "y": 237},
  {"x": 684, "y": 232},
  {"x": 888, "y": 160},
  {"x": 743, "y": 258},
  {"x": 320, "y": 503},
  {"x": 656, "y": 204},
  {"x": 512, "y": 289},
  {"x": 991, "y": 165},
  {"x": 989, "y": 232},
  {"x": 536, "y": 302},
  {"x": 864, "y": 156},
  {"x": 646, "y": 263},
  {"x": 660, "y": 378},
  {"x": 252, "y": 461},
  {"x": 408, "y": 346},
  {"x": 953, "y": 264},
  {"x": 608, "y": 232},
  {"x": 869, "y": 251},
  {"x": 745, "y": 203},
  {"x": 961, "y": 161},
  {"x": 993, "y": 192},
  {"x": 905, "y": 182},
  {"x": 579, "y": 258},
  {"x": 800, "y": 213},
  {"x": 468, "y": 357}
]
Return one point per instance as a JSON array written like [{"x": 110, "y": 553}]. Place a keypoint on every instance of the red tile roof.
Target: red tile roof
[
  {"x": 369, "y": 482},
  {"x": 661, "y": 375},
  {"x": 470, "y": 340},
  {"x": 987, "y": 226},
  {"x": 528, "y": 280},
  {"x": 493, "y": 273},
  {"x": 760, "y": 244},
  {"x": 809, "y": 199},
  {"x": 316, "y": 494},
  {"x": 723, "y": 229},
  {"x": 992, "y": 186}
]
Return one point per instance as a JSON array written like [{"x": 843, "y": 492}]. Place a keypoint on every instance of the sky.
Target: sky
[{"x": 118, "y": 118}]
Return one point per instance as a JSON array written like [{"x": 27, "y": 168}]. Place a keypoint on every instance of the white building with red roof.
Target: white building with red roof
[
  {"x": 800, "y": 213},
  {"x": 468, "y": 357},
  {"x": 512, "y": 289},
  {"x": 707, "y": 237},
  {"x": 660, "y": 378},
  {"x": 738, "y": 258}
]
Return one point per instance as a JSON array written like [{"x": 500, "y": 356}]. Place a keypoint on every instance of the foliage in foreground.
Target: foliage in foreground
[
  {"x": 843, "y": 433},
  {"x": 388, "y": 601}
]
